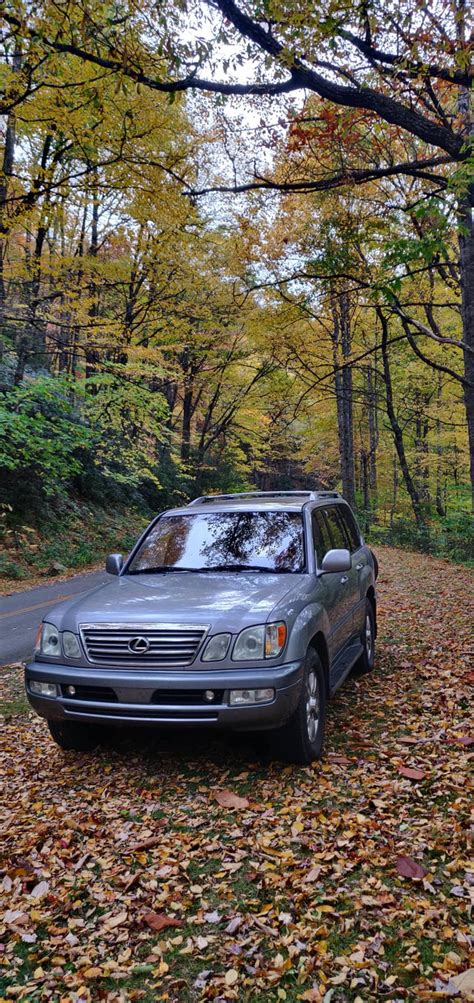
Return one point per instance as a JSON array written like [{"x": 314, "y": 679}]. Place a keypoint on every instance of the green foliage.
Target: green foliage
[
  {"x": 451, "y": 536},
  {"x": 41, "y": 433},
  {"x": 11, "y": 569}
]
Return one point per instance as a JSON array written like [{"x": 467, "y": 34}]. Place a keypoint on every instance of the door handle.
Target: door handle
[
  {"x": 359, "y": 567},
  {"x": 344, "y": 579}
]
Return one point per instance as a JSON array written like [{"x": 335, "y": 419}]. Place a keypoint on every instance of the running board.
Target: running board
[{"x": 341, "y": 668}]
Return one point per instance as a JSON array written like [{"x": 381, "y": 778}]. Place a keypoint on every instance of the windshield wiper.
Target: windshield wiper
[
  {"x": 159, "y": 569},
  {"x": 241, "y": 567},
  {"x": 167, "y": 568}
]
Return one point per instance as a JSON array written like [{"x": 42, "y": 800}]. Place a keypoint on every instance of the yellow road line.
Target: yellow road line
[{"x": 48, "y": 602}]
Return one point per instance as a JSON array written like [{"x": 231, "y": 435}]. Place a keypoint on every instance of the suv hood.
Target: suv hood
[{"x": 223, "y": 600}]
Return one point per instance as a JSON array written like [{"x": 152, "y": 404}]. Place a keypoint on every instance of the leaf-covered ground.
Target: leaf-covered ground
[{"x": 185, "y": 868}]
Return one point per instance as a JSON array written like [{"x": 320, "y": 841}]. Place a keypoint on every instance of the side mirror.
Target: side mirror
[
  {"x": 113, "y": 564},
  {"x": 335, "y": 561}
]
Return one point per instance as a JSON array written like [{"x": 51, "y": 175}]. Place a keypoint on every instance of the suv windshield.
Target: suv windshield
[{"x": 223, "y": 541}]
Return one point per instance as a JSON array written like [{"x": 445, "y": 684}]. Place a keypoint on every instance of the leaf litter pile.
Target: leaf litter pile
[{"x": 186, "y": 867}]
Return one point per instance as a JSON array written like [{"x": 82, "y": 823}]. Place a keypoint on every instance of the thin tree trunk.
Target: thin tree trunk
[
  {"x": 466, "y": 249},
  {"x": 439, "y": 455},
  {"x": 5, "y": 175},
  {"x": 393, "y": 508},
  {"x": 373, "y": 431},
  {"x": 466, "y": 253},
  {"x": 341, "y": 339},
  {"x": 396, "y": 429}
]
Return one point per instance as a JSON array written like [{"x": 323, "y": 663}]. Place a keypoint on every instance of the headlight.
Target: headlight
[
  {"x": 49, "y": 644},
  {"x": 249, "y": 644},
  {"x": 265, "y": 641},
  {"x": 216, "y": 648},
  {"x": 71, "y": 645}
]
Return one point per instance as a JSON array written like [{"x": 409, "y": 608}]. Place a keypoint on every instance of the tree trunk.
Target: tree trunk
[
  {"x": 5, "y": 175},
  {"x": 466, "y": 249},
  {"x": 396, "y": 429},
  {"x": 439, "y": 455},
  {"x": 393, "y": 507},
  {"x": 373, "y": 431},
  {"x": 341, "y": 339}
]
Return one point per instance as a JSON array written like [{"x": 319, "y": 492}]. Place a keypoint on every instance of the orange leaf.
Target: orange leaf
[
  {"x": 159, "y": 920},
  {"x": 229, "y": 800}
]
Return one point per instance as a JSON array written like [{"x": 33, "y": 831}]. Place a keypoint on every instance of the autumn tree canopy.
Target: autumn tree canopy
[{"x": 236, "y": 248}]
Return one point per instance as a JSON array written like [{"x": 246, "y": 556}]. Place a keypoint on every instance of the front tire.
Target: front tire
[
  {"x": 365, "y": 663},
  {"x": 74, "y": 737},
  {"x": 301, "y": 738}
]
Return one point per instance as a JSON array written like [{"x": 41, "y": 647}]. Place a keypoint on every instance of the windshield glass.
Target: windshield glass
[{"x": 223, "y": 541}]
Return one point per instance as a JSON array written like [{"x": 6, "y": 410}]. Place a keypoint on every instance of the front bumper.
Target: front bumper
[{"x": 141, "y": 698}]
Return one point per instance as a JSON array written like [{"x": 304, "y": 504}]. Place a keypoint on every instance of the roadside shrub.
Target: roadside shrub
[
  {"x": 10, "y": 569},
  {"x": 451, "y": 536}
]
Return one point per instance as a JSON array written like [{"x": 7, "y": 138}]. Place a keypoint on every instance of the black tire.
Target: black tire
[
  {"x": 365, "y": 663},
  {"x": 74, "y": 737},
  {"x": 301, "y": 738}
]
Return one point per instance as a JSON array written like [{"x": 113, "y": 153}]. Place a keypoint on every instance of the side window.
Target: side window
[
  {"x": 322, "y": 542},
  {"x": 350, "y": 527},
  {"x": 336, "y": 528}
]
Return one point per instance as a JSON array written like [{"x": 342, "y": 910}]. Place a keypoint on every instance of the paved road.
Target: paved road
[{"x": 21, "y": 612}]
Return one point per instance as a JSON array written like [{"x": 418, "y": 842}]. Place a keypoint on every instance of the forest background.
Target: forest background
[{"x": 236, "y": 252}]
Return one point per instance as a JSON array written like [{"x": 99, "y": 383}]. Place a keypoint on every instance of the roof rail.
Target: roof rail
[{"x": 309, "y": 495}]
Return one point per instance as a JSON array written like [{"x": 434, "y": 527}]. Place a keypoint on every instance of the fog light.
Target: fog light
[
  {"x": 239, "y": 698},
  {"x": 209, "y": 695},
  {"x": 71, "y": 690},
  {"x": 43, "y": 689}
]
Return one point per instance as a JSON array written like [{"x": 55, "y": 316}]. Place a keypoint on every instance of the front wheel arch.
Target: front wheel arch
[
  {"x": 318, "y": 643},
  {"x": 373, "y": 602}
]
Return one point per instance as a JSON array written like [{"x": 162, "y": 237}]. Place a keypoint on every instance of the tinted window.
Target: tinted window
[
  {"x": 336, "y": 528},
  {"x": 268, "y": 541},
  {"x": 350, "y": 527},
  {"x": 321, "y": 538}
]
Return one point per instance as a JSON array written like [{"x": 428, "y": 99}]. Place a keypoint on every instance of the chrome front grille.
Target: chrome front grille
[{"x": 118, "y": 644}]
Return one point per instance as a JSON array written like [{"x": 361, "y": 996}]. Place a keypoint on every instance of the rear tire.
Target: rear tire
[
  {"x": 301, "y": 738},
  {"x": 365, "y": 663},
  {"x": 73, "y": 736}
]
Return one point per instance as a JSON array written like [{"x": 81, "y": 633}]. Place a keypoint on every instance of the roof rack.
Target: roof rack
[{"x": 309, "y": 495}]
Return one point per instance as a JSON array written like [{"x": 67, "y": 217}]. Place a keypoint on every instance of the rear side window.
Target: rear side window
[
  {"x": 336, "y": 528},
  {"x": 350, "y": 526},
  {"x": 321, "y": 538}
]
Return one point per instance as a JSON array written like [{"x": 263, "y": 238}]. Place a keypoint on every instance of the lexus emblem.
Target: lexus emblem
[{"x": 139, "y": 645}]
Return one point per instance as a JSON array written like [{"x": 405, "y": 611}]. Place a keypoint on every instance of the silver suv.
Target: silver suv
[{"x": 242, "y": 611}]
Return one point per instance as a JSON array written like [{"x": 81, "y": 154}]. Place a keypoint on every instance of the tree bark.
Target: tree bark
[
  {"x": 396, "y": 428},
  {"x": 341, "y": 339},
  {"x": 5, "y": 175},
  {"x": 466, "y": 250}
]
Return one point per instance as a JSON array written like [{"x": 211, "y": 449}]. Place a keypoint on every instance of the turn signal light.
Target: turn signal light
[{"x": 275, "y": 638}]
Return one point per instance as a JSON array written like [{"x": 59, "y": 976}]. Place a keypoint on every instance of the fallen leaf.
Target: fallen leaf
[
  {"x": 464, "y": 983},
  {"x": 234, "y": 925},
  {"x": 41, "y": 889},
  {"x": 159, "y": 920},
  {"x": 411, "y": 773},
  {"x": 110, "y": 922},
  {"x": 15, "y": 916},
  {"x": 409, "y": 868},
  {"x": 229, "y": 800},
  {"x": 231, "y": 977},
  {"x": 147, "y": 844}
]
